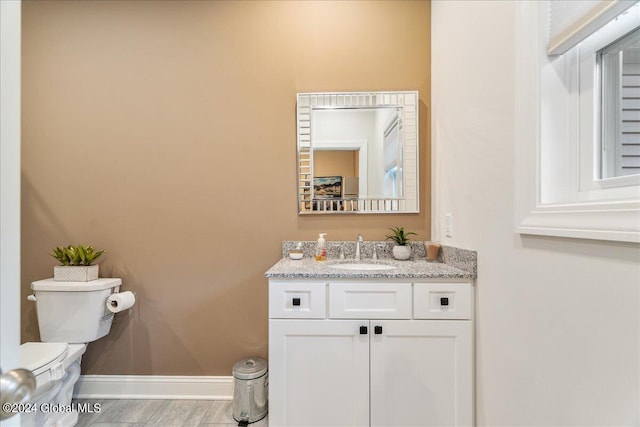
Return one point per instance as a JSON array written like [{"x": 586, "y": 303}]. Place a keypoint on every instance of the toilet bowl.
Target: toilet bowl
[
  {"x": 56, "y": 367},
  {"x": 70, "y": 315}
]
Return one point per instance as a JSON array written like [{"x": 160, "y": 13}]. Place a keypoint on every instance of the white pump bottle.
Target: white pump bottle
[{"x": 321, "y": 250}]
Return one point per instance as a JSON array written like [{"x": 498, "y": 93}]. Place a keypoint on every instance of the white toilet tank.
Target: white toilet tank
[{"x": 74, "y": 312}]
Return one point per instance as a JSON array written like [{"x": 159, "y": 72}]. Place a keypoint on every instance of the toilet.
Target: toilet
[{"x": 70, "y": 315}]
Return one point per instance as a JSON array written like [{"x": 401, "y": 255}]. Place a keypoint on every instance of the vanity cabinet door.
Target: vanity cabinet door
[
  {"x": 319, "y": 373},
  {"x": 421, "y": 373}
]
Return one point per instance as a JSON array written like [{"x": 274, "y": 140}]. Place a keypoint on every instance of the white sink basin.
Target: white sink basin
[{"x": 363, "y": 266}]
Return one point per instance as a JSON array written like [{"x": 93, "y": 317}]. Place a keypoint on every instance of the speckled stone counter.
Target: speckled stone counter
[{"x": 461, "y": 265}]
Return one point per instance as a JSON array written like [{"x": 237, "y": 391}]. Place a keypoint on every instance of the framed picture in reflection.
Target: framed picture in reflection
[{"x": 327, "y": 187}]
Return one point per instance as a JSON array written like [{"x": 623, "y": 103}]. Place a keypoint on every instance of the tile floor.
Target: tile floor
[{"x": 169, "y": 413}]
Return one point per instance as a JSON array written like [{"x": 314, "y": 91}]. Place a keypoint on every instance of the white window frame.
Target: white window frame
[
  {"x": 591, "y": 186},
  {"x": 552, "y": 196},
  {"x": 613, "y": 109}
]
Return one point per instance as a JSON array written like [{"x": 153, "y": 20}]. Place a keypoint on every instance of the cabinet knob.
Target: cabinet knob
[
  {"x": 363, "y": 330},
  {"x": 377, "y": 330},
  {"x": 444, "y": 301},
  {"x": 295, "y": 302}
]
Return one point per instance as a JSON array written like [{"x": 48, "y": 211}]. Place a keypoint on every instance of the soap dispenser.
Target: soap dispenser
[{"x": 321, "y": 250}]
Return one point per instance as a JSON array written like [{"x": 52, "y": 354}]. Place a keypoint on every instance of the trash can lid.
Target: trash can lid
[{"x": 249, "y": 369}]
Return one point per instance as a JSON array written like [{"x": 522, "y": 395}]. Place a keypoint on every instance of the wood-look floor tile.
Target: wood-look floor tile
[
  {"x": 86, "y": 419},
  {"x": 130, "y": 411},
  {"x": 262, "y": 423},
  {"x": 220, "y": 412},
  {"x": 165, "y": 413},
  {"x": 180, "y": 413},
  {"x": 119, "y": 425}
]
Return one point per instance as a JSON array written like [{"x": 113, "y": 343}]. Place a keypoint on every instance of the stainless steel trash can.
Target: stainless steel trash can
[{"x": 250, "y": 390}]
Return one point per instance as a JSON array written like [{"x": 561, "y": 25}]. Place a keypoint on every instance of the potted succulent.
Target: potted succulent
[
  {"x": 402, "y": 250},
  {"x": 76, "y": 263}
]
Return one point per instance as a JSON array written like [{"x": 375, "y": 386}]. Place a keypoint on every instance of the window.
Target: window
[
  {"x": 599, "y": 89},
  {"x": 392, "y": 157},
  {"x": 571, "y": 126},
  {"x": 619, "y": 76}
]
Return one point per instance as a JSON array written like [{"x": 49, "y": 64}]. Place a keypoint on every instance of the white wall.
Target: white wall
[
  {"x": 10, "y": 26},
  {"x": 9, "y": 183},
  {"x": 558, "y": 320}
]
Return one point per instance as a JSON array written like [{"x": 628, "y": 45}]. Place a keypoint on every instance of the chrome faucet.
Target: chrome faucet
[
  {"x": 359, "y": 240},
  {"x": 376, "y": 248}
]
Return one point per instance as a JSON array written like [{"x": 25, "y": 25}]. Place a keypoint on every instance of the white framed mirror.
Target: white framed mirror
[{"x": 357, "y": 152}]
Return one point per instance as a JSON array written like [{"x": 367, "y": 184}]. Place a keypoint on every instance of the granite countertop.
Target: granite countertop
[
  {"x": 309, "y": 268},
  {"x": 452, "y": 263}
]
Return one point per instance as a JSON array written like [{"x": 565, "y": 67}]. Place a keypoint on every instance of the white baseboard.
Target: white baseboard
[{"x": 153, "y": 387}]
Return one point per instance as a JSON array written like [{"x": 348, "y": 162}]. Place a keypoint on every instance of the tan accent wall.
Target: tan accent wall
[
  {"x": 335, "y": 162},
  {"x": 165, "y": 133}
]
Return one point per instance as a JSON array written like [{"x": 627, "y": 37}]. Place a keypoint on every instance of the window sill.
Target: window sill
[{"x": 618, "y": 221}]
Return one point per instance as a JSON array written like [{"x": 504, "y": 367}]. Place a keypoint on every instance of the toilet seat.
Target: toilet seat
[
  {"x": 45, "y": 360},
  {"x": 39, "y": 356}
]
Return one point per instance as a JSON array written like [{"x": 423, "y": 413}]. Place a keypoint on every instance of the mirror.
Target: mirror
[{"x": 357, "y": 152}]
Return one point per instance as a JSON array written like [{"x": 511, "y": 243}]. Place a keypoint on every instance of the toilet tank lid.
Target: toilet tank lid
[
  {"x": 40, "y": 356},
  {"x": 92, "y": 285}
]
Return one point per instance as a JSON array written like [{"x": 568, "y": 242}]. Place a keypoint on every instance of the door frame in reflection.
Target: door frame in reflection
[{"x": 359, "y": 145}]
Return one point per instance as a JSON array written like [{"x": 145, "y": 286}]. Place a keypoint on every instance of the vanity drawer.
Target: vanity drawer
[
  {"x": 370, "y": 300},
  {"x": 442, "y": 301},
  {"x": 297, "y": 300}
]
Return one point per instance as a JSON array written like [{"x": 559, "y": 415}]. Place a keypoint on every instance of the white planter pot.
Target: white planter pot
[
  {"x": 402, "y": 252},
  {"x": 79, "y": 273}
]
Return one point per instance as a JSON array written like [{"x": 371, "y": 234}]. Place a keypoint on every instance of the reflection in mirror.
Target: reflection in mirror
[{"x": 357, "y": 152}]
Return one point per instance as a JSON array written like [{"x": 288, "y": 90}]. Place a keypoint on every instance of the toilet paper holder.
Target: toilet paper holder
[
  {"x": 117, "y": 292},
  {"x": 128, "y": 301}
]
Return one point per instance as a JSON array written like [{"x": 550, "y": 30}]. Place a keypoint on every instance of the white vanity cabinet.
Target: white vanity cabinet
[{"x": 370, "y": 353}]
